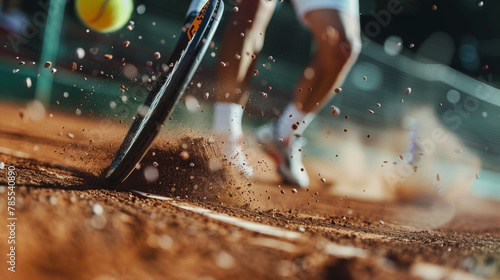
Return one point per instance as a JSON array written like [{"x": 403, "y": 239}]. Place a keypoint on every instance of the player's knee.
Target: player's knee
[
  {"x": 351, "y": 48},
  {"x": 347, "y": 48},
  {"x": 343, "y": 51}
]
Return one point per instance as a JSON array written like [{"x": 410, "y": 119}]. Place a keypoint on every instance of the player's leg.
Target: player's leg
[
  {"x": 336, "y": 32},
  {"x": 335, "y": 28},
  {"x": 338, "y": 44},
  {"x": 241, "y": 42}
]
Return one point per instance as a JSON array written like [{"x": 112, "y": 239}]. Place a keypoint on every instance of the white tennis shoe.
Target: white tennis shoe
[{"x": 286, "y": 153}]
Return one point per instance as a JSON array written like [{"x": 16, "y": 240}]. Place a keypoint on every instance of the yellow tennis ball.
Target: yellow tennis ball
[{"x": 104, "y": 15}]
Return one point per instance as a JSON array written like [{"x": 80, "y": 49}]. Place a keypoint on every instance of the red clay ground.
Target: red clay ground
[{"x": 70, "y": 227}]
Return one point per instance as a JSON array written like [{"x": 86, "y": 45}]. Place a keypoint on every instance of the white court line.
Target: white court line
[
  {"x": 15, "y": 153},
  {"x": 274, "y": 244},
  {"x": 330, "y": 248},
  {"x": 429, "y": 271},
  {"x": 150, "y": 195},
  {"x": 424, "y": 270},
  {"x": 259, "y": 228},
  {"x": 345, "y": 251},
  {"x": 263, "y": 229}
]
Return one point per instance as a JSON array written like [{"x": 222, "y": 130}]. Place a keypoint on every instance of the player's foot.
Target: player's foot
[
  {"x": 286, "y": 153},
  {"x": 234, "y": 154}
]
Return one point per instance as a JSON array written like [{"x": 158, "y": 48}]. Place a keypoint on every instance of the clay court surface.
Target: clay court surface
[{"x": 215, "y": 224}]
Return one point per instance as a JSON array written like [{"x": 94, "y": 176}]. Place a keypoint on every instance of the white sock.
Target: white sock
[
  {"x": 228, "y": 120},
  {"x": 293, "y": 121}
]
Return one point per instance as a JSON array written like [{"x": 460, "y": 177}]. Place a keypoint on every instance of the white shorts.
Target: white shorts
[{"x": 302, "y": 7}]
